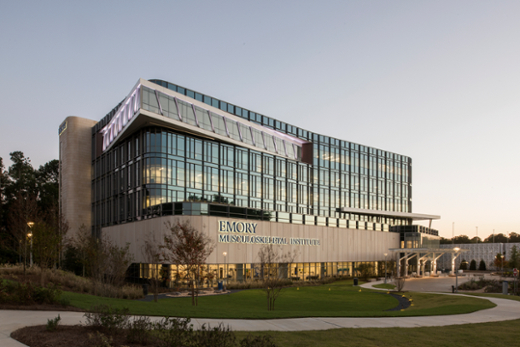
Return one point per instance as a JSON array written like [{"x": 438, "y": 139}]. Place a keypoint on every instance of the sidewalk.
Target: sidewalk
[{"x": 505, "y": 310}]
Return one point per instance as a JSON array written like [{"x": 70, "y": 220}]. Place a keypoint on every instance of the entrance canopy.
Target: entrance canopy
[
  {"x": 391, "y": 214},
  {"x": 423, "y": 255}
]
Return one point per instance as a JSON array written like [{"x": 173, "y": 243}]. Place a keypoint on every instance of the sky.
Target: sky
[{"x": 438, "y": 81}]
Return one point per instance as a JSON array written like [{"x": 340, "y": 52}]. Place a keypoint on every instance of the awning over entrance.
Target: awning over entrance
[
  {"x": 425, "y": 254},
  {"x": 391, "y": 214}
]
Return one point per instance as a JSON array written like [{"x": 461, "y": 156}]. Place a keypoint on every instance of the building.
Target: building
[
  {"x": 479, "y": 251},
  {"x": 166, "y": 153}
]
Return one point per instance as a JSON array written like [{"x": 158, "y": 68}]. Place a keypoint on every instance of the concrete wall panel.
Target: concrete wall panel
[{"x": 336, "y": 244}]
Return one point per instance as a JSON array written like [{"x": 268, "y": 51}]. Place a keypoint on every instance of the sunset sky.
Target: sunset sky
[{"x": 438, "y": 81}]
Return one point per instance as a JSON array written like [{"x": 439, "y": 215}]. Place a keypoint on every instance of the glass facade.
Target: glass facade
[
  {"x": 162, "y": 171},
  {"x": 176, "y": 274}
]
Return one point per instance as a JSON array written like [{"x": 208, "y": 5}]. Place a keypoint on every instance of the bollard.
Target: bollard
[
  {"x": 145, "y": 289},
  {"x": 453, "y": 289}
]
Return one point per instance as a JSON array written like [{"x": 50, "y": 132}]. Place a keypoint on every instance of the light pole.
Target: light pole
[
  {"x": 456, "y": 249},
  {"x": 385, "y": 266},
  {"x": 225, "y": 263},
  {"x": 452, "y": 232},
  {"x": 30, "y": 224},
  {"x": 503, "y": 256}
]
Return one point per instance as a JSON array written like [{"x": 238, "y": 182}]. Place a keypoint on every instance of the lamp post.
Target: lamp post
[
  {"x": 225, "y": 264},
  {"x": 385, "y": 266},
  {"x": 30, "y": 224},
  {"x": 456, "y": 249},
  {"x": 503, "y": 256}
]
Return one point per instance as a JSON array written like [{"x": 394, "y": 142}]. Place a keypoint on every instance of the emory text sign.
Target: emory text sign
[{"x": 244, "y": 229}]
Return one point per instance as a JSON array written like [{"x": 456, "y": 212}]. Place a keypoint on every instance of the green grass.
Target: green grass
[
  {"x": 475, "y": 335},
  {"x": 339, "y": 299},
  {"x": 384, "y": 286}
]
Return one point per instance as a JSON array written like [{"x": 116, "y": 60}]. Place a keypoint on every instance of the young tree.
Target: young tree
[
  {"x": 81, "y": 244},
  {"x": 514, "y": 258},
  {"x": 399, "y": 278},
  {"x": 463, "y": 265},
  {"x": 473, "y": 265},
  {"x": 365, "y": 270},
  {"x": 271, "y": 259},
  {"x": 103, "y": 261},
  {"x": 152, "y": 254},
  {"x": 23, "y": 210},
  {"x": 500, "y": 261},
  {"x": 44, "y": 241},
  {"x": 57, "y": 222},
  {"x": 482, "y": 265},
  {"x": 399, "y": 283},
  {"x": 186, "y": 246}
]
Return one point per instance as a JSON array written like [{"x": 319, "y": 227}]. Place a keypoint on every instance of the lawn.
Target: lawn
[
  {"x": 475, "y": 335},
  {"x": 339, "y": 299}
]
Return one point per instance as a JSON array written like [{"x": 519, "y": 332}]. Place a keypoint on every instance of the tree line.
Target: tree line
[
  {"x": 30, "y": 219},
  {"x": 497, "y": 238}
]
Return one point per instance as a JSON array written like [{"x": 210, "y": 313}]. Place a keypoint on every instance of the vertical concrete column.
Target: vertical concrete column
[
  {"x": 434, "y": 265},
  {"x": 453, "y": 263},
  {"x": 398, "y": 265},
  {"x": 406, "y": 264}
]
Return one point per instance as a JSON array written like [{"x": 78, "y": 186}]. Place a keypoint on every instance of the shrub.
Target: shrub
[
  {"x": 493, "y": 286},
  {"x": 107, "y": 317},
  {"x": 472, "y": 285},
  {"x": 482, "y": 265},
  {"x": 218, "y": 336},
  {"x": 139, "y": 330},
  {"x": 174, "y": 331},
  {"x": 257, "y": 341},
  {"x": 473, "y": 265},
  {"x": 168, "y": 332},
  {"x": 69, "y": 281},
  {"x": 52, "y": 324},
  {"x": 100, "y": 340},
  {"x": 49, "y": 295},
  {"x": 27, "y": 294}
]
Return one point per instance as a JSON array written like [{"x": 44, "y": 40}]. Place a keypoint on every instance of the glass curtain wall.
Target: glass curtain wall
[
  {"x": 174, "y": 276},
  {"x": 152, "y": 169}
]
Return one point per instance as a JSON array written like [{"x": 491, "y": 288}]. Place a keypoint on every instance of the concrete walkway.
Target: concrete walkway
[{"x": 505, "y": 310}]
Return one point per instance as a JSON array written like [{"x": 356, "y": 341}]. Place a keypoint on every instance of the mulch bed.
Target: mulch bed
[
  {"x": 66, "y": 336},
  {"x": 403, "y": 302}
]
